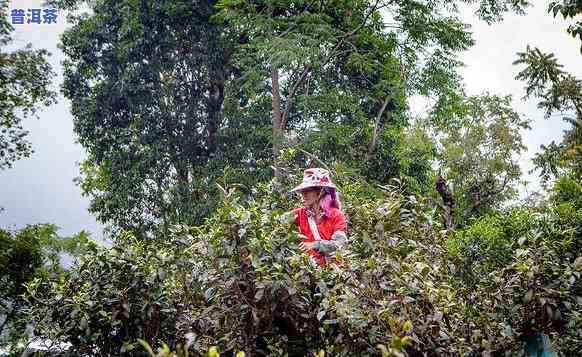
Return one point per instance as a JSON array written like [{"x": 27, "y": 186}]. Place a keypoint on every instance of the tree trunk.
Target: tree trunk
[
  {"x": 214, "y": 107},
  {"x": 277, "y": 118},
  {"x": 448, "y": 202},
  {"x": 376, "y": 133}
]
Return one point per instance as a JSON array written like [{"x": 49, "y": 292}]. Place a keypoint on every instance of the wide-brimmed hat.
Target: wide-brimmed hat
[{"x": 315, "y": 177}]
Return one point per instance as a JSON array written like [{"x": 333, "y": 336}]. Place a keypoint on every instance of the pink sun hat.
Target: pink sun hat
[{"x": 315, "y": 177}]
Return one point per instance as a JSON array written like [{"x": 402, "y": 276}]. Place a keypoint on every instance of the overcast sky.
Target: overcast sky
[
  {"x": 488, "y": 67},
  {"x": 40, "y": 189}
]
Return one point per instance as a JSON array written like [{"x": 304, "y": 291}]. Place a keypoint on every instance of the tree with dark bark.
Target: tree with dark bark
[{"x": 147, "y": 83}]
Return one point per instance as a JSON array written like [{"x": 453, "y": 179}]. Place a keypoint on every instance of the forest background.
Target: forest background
[
  {"x": 196, "y": 119},
  {"x": 488, "y": 67}
]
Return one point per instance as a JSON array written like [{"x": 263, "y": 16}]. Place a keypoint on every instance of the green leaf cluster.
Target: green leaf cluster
[{"x": 401, "y": 287}]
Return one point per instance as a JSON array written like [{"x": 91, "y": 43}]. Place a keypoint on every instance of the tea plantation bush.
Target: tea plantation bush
[{"x": 402, "y": 287}]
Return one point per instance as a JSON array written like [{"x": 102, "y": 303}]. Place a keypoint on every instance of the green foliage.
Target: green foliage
[
  {"x": 477, "y": 154},
  {"x": 167, "y": 95},
  {"x": 146, "y": 82},
  {"x": 416, "y": 151},
  {"x": 525, "y": 274},
  {"x": 177, "y": 103},
  {"x": 21, "y": 257},
  {"x": 560, "y": 92},
  {"x": 401, "y": 287},
  {"x": 344, "y": 73},
  {"x": 181, "y": 351},
  {"x": 33, "y": 252},
  {"x": 542, "y": 68},
  {"x": 550, "y": 161},
  {"x": 488, "y": 244},
  {"x": 568, "y": 189},
  {"x": 568, "y": 10},
  {"x": 24, "y": 87},
  {"x": 491, "y": 11},
  {"x": 117, "y": 295}
]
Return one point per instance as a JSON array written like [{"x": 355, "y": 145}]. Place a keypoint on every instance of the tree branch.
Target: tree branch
[
  {"x": 374, "y": 141},
  {"x": 278, "y": 126},
  {"x": 326, "y": 60},
  {"x": 488, "y": 197}
]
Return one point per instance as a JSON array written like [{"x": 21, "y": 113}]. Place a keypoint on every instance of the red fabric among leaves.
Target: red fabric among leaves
[{"x": 327, "y": 226}]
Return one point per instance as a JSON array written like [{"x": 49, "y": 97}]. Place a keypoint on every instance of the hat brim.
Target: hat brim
[{"x": 304, "y": 187}]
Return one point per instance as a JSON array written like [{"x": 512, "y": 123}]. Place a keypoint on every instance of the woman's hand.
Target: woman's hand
[{"x": 305, "y": 246}]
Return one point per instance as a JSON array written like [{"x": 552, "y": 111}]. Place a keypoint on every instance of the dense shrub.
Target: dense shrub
[
  {"x": 401, "y": 287},
  {"x": 521, "y": 272},
  {"x": 32, "y": 252},
  {"x": 115, "y": 296}
]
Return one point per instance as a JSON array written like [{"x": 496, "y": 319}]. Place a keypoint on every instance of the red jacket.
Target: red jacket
[{"x": 327, "y": 227}]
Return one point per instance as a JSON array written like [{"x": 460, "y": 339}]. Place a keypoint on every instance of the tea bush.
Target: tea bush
[{"x": 401, "y": 287}]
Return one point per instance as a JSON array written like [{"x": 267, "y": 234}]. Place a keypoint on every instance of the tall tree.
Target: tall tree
[
  {"x": 147, "y": 82},
  {"x": 25, "y": 79},
  {"x": 337, "y": 74},
  {"x": 165, "y": 99},
  {"x": 559, "y": 92},
  {"x": 477, "y": 155}
]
